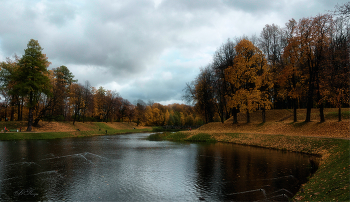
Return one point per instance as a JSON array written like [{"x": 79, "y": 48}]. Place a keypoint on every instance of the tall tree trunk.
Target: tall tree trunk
[
  {"x": 263, "y": 115},
  {"x": 30, "y": 119},
  {"x": 295, "y": 103},
  {"x": 76, "y": 112},
  {"x": 18, "y": 110},
  {"x": 322, "y": 119},
  {"x": 6, "y": 113},
  {"x": 12, "y": 116},
  {"x": 339, "y": 113},
  {"x": 30, "y": 115},
  {"x": 222, "y": 116},
  {"x": 21, "y": 117},
  {"x": 234, "y": 113},
  {"x": 309, "y": 104},
  {"x": 84, "y": 115}
]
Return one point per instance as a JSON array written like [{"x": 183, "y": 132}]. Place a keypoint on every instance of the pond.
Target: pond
[{"x": 131, "y": 168}]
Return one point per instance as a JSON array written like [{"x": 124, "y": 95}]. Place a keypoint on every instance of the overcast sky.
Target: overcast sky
[{"x": 142, "y": 49}]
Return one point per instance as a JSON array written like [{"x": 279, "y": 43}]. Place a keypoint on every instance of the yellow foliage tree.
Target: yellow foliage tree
[{"x": 250, "y": 77}]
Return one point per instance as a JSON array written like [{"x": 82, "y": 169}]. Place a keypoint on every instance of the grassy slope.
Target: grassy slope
[{"x": 67, "y": 130}]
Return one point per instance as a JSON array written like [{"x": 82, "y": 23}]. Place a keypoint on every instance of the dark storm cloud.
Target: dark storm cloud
[{"x": 143, "y": 49}]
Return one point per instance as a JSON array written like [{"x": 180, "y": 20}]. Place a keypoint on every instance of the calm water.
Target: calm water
[{"x": 131, "y": 168}]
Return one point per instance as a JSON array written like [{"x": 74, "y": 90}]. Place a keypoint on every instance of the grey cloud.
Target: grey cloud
[
  {"x": 123, "y": 40},
  {"x": 58, "y": 13}
]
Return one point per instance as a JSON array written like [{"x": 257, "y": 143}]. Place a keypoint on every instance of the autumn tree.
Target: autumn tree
[
  {"x": 290, "y": 78},
  {"x": 272, "y": 41},
  {"x": 63, "y": 79},
  {"x": 201, "y": 93},
  {"x": 31, "y": 79},
  {"x": 309, "y": 44},
  {"x": 140, "y": 108},
  {"x": 336, "y": 71},
  {"x": 76, "y": 99},
  {"x": 249, "y": 75},
  {"x": 131, "y": 112},
  {"x": 123, "y": 108},
  {"x": 343, "y": 10},
  {"x": 99, "y": 102},
  {"x": 223, "y": 59},
  {"x": 57, "y": 104},
  {"x": 8, "y": 70},
  {"x": 88, "y": 100}
]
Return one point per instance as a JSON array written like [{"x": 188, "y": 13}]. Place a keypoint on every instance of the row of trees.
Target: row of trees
[
  {"x": 304, "y": 64},
  {"x": 29, "y": 89}
]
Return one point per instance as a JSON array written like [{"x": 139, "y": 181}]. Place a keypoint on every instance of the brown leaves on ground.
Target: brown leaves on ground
[
  {"x": 330, "y": 128},
  {"x": 124, "y": 125},
  {"x": 45, "y": 126}
]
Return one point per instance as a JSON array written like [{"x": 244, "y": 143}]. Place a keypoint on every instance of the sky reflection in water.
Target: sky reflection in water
[{"x": 130, "y": 168}]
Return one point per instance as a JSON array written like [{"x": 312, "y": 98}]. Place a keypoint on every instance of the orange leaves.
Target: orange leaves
[{"x": 250, "y": 77}]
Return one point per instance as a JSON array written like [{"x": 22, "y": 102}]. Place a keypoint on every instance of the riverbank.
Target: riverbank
[
  {"x": 54, "y": 130},
  {"x": 331, "y": 180}
]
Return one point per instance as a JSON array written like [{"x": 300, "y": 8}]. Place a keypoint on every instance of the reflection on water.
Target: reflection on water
[{"x": 130, "y": 168}]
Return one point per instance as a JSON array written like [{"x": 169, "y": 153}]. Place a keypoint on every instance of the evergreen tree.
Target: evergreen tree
[{"x": 32, "y": 78}]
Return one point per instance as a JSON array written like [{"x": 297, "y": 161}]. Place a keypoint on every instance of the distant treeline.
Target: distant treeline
[
  {"x": 302, "y": 65},
  {"x": 31, "y": 92}
]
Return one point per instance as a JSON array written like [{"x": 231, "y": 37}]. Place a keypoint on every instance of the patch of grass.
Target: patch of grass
[
  {"x": 103, "y": 126},
  {"x": 334, "y": 115},
  {"x": 331, "y": 180},
  {"x": 234, "y": 135},
  {"x": 56, "y": 135},
  {"x": 14, "y": 125},
  {"x": 157, "y": 136},
  {"x": 178, "y": 136},
  {"x": 34, "y": 136},
  {"x": 201, "y": 137},
  {"x": 299, "y": 124}
]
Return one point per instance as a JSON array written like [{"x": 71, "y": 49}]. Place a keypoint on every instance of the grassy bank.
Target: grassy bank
[
  {"x": 331, "y": 180},
  {"x": 95, "y": 130}
]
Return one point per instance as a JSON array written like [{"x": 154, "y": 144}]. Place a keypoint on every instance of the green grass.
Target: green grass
[
  {"x": 55, "y": 135},
  {"x": 103, "y": 126},
  {"x": 13, "y": 124},
  {"x": 178, "y": 136},
  {"x": 334, "y": 115},
  {"x": 156, "y": 136},
  {"x": 331, "y": 180},
  {"x": 201, "y": 137}
]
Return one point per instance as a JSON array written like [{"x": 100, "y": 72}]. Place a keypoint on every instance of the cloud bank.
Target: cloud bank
[{"x": 143, "y": 49}]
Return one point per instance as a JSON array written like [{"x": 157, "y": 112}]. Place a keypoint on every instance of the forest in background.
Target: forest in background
[
  {"x": 302, "y": 65},
  {"x": 31, "y": 92}
]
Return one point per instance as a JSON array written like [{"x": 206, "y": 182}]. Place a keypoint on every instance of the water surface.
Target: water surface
[{"x": 131, "y": 168}]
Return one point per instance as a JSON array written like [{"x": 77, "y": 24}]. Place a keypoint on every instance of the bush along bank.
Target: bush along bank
[{"x": 329, "y": 183}]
